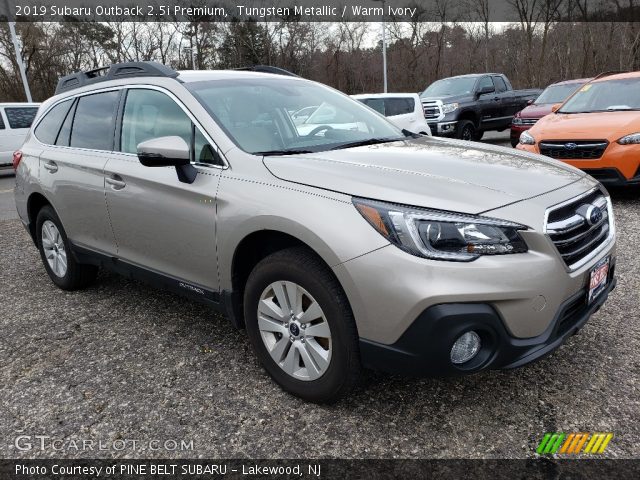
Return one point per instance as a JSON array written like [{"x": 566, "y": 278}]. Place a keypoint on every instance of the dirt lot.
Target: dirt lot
[{"x": 122, "y": 362}]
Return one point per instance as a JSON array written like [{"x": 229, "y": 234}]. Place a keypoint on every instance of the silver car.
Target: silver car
[{"x": 336, "y": 248}]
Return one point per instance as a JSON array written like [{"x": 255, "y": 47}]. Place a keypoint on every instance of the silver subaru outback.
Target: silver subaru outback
[{"x": 337, "y": 240}]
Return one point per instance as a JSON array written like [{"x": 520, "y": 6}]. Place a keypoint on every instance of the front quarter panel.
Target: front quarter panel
[{"x": 327, "y": 222}]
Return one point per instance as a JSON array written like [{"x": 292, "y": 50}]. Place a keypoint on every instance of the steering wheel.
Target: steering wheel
[{"x": 318, "y": 129}]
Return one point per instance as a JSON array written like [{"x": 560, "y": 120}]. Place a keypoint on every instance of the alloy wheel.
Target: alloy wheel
[
  {"x": 294, "y": 330},
  {"x": 53, "y": 247},
  {"x": 467, "y": 133}
]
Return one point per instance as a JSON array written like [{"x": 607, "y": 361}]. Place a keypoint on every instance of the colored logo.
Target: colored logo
[
  {"x": 570, "y": 146},
  {"x": 574, "y": 443}
]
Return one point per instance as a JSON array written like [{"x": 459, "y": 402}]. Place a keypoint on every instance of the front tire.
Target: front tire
[
  {"x": 57, "y": 256},
  {"x": 301, "y": 326},
  {"x": 466, "y": 130}
]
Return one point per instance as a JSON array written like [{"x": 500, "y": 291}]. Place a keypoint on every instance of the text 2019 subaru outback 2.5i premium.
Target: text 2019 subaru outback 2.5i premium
[{"x": 351, "y": 245}]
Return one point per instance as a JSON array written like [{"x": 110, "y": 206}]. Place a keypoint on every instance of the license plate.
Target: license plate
[{"x": 598, "y": 279}]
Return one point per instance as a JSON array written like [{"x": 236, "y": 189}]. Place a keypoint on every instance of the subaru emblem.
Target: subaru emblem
[
  {"x": 594, "y": 215},
  {"x": 570, "y": 146}
]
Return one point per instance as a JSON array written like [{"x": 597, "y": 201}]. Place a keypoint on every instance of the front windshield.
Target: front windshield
[
  {"x": 282, "y": 115},
  {"x": 609, "y": 95},
  {"x": 557, "y": 93},
  {"x": 450, "y": 86}
]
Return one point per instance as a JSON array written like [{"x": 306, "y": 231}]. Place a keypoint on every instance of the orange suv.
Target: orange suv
[{"x": 597, "y": 129}]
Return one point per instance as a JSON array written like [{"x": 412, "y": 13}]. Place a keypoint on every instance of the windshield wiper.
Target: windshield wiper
[
  {"x": 362, "y": 143},
  {"x": 271, "y": 153}
]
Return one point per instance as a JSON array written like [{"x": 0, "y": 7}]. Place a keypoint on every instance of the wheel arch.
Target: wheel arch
[
  {"x": 35, "y": 203},
  {"x": 470, "y": 115},
  {"x": 251, "y": 249}
]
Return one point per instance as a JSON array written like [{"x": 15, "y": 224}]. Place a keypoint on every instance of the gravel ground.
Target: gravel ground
[{"x": 122, "y": 361}]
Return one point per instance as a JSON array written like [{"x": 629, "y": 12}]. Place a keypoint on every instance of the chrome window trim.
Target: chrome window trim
[
  {"x": 612, "y": 228},
  {"x": 127, "y": 87}
]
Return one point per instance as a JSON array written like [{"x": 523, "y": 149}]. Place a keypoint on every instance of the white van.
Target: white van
[
  {"x": 15, "y": 121},
  {"x": 404, "y": 110}
]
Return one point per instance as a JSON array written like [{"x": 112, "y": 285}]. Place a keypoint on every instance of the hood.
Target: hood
[
  {"x": 429, "y": 172},
  {"x": 587, "y": 126},
  {"x": 450, "y": 98},
  {"x": 536, "y": 111}
]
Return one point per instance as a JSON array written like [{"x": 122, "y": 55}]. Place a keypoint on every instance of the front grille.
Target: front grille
[
  {"x": 528, "y": 121},
  {"x": 568, "y": 150},
  {"x": 577, "y": 229},
  {"x": 432, "y": 110}
]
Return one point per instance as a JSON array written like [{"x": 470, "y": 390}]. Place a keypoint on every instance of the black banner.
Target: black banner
[
  {"x": 530, "y": 12},
  {"x": 315, "y": 469}
]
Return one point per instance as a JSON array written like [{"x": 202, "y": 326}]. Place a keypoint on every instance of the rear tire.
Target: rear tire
[
  {"x": 56, "y": 254},
  {"x": 314, "y": 356},
  {"x": 466, "y": 130}
]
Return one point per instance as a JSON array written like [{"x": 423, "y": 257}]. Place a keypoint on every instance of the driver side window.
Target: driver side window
[
  {"x": 485, "y": 82},
  {"x": 151, "y": 114}
]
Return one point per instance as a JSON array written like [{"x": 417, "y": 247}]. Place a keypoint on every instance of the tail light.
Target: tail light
[{"x": 17, "y": 157}]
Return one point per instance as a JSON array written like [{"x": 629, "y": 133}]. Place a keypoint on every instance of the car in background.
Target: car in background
[
  {"x": 466, "y": 106},
  {"x": 15, "y": 121},
  {"x": 597, "y": 129},
  {"x": 541, "y": 106},
  {"x": 300, "y": 116},
  {"x": 404, "y": 110}
]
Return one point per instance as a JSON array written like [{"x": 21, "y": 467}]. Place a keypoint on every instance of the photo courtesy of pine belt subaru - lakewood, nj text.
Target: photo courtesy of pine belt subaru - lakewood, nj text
[{"x": 345, "y": 245}]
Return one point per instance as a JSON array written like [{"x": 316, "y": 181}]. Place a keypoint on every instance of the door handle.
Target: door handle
[
  {"x": 51, "y": 166},
  {"x": 116, "y": 182},
  {"x": 496, "y": 98}
]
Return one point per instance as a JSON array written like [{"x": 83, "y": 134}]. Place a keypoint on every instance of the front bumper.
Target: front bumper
[
  {"x": 444, "y": 129},
  {"x": 516, "y": 130},
  {"x": 424, "y": 349},
  {"x": 619, "y": 165}
]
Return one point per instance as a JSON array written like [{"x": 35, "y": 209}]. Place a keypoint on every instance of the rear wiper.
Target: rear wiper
[
  {"x": 362, "y": 143},
  {"x": 270, "y": 153}
]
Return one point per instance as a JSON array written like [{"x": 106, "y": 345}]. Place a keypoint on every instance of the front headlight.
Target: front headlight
[
  {"x": 442, "y": 235},
  {"x": 632, "y": 139},
  {"x": 450, "y": 107},
  {"x": 527, "y": 139},
  {"x": 516, "y": 121}
]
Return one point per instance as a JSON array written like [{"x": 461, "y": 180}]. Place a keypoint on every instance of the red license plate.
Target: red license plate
[{"x": 598, "y": 279}]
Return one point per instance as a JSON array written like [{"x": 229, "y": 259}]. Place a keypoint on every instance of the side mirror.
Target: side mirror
[
  {"x": 555, "y": 107},
  {"x": 486, "y": 89},
  {"x": 168, "y": 152},
  {"x": 530, "y": 102}
]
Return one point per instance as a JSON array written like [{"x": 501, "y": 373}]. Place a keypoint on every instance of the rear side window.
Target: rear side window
[
  {"x": 65, "y": 132},
  {"x": 93, "y": 122},
  {"x": 48, "y": 128},
  {"x": 500, "y": 85},
  {"x": 399, "y": 106},
  {"x": 376, "y": 103},
  {"x": 1, "y": 122},
  {"x": 20, "y": 117}
]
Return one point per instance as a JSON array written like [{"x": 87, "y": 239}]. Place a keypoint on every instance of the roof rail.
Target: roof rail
[
  {"x": 268, "y": 69},
  {"x": 606, "y": 74},
  {"x": 114, "y": 72}
]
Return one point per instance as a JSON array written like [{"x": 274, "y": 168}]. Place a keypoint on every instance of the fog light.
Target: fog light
[{"x": 466, "y": 347}]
